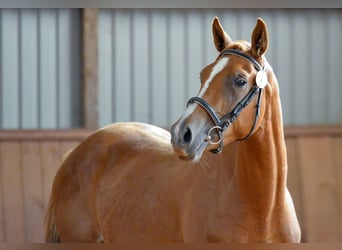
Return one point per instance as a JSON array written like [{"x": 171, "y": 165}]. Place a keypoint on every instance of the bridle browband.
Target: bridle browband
[{"x": 224, "y": 122}]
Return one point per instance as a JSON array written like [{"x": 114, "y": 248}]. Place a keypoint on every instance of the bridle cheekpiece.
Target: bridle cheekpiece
[{"x": 225, "y": 121}]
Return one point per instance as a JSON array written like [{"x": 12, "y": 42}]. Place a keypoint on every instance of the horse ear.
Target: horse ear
[
  {"x": 220, "y": 37},
  {"x": 259, "y": 38}
]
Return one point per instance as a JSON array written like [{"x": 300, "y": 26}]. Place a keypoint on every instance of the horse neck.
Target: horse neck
[{"x": 261, "y": 164}]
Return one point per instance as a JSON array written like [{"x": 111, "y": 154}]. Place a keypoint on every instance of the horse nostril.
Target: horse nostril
[{"x": 187, "y": 136}]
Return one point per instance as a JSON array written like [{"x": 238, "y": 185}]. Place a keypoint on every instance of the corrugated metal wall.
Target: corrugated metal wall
[
  {"x": 39, "y": 68},
  {"x": 150, "y": 61}
]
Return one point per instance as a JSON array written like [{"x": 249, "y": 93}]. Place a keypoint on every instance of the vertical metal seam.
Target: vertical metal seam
[
  {"x": 152, "y": 83},
  {"x": 185, "y": 52},
  {"x": 132, "y": 71},
  {"x": 113, "y": 61},
  {"x": 20, "y": 71},
  {"x": 168, "y": 64},
  {"x": 327, "y": 111},
  {"x": 76, "y": 24},
  {"x": 309, "y": 33},
  {"x": 290, "y": 116},
  {"x": 275, "y": 32},
  {"x": 202, "y": 38},
  {"x": 239, "y": 25},
  {"x": 292, "y": 67},
  {"x": 149, "y": 69},
  {"x": 39, "y": 77},
  {"x": 58, "y": 68}
]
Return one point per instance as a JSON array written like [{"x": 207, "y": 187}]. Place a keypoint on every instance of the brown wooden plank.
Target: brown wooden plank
[
  {"x": 50, "y": 160},
  {"x": 294, "y": 131},
  {"x": 294, "y": 179},
  {"x": 33, "y": 191},
  {"x": 90, "y": 68},
  {"x": 12, "y": 192},
  {"x": 2, "y": 219},
  {"x": 24, "y": 135},
  {"x": 337, "y": 158},
  {"x": 290, "y": 131},
  {"x": 80, "y": 134},
  {"x": 319, "y": 207}
]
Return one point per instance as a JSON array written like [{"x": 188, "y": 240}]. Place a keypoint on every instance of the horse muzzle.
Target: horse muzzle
[{"x": 189, "y": 140}]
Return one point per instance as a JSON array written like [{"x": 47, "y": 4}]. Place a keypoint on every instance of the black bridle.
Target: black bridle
[{"x": 224, "y": 122}]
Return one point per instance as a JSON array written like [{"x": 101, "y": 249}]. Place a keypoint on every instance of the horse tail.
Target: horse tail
[{"x": 51, "y": 234}]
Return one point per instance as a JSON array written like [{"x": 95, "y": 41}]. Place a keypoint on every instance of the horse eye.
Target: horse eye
[{"x": 240, "y": 82}]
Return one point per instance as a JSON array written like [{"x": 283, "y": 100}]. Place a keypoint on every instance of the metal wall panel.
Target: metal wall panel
[
  {"x": 40, "y": 73},
  {"x": 150, "y": 61}
]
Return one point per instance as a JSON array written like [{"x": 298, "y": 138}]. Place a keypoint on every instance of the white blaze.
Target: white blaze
[{"x": 219, "y": 66}]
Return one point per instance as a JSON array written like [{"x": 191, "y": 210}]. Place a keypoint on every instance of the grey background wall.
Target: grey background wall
[
  {"x": 150, "y": 59},
  {"x": 39, "y": 68}
]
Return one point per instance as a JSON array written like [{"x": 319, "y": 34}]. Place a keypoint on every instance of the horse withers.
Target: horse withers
[{"x": 221, "y": 179}]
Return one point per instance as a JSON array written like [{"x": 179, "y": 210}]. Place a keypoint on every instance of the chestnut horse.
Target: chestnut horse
[{"x": 127, "y": 182}]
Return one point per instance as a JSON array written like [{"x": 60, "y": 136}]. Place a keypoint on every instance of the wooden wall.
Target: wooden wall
[
  {"x": 314, "y": 179},
  {"x": 28, "y": 163},
  {"x": 29, "y": 160}
]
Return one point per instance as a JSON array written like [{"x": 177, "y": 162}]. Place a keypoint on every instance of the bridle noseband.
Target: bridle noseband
[{"x": 224, "y": 122}]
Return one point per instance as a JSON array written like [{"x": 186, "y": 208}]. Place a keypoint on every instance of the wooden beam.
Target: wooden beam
[
  {"x": 44, "y": 135},
  {"x": 80, "y": 134},
  {"x": 89, "y": 68},
  {"x": 324, "y": 130}
]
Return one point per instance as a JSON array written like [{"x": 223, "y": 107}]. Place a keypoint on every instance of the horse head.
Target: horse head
[{"x": 229, "y": 105}]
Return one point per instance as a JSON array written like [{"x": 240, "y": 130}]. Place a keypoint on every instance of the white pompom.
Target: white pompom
[{"x": 261, "y": 79}]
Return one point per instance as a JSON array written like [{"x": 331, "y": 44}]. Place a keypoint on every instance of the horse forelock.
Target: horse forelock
[{"x": 241, "y": 45}]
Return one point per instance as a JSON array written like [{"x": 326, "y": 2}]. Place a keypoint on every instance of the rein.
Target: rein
[{"x": 224, "y": 122}]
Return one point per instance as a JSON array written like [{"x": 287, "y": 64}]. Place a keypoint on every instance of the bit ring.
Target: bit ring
[{"x": 209, "y": 138}]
